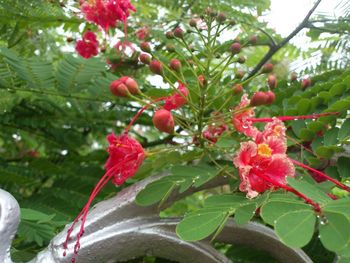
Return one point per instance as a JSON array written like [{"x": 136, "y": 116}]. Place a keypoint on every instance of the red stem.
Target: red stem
[
  {"x": 316, "y": 206},
  {"x": 292, "y": 118},
  {"x": 336, "y": 182},
  {"x": 141, "y": 111}
]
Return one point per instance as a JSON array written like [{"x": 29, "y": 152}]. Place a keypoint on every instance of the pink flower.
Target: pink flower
[
  {"x": 177, "y": 100},
  {"x": 240, "y": 118},
  {"x": 88, "y": 46},
  {"x": 142, "y": 33},
  {"x": 263, "y": 163},
  {"x": 125, "y": 157},
  {"x": 106, "y": 13}
]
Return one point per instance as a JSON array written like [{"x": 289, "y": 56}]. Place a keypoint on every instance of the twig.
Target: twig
[{"x": 277, "y": 47}]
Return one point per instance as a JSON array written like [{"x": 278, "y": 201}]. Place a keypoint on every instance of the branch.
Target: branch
[{"x": 275, "y": 48}]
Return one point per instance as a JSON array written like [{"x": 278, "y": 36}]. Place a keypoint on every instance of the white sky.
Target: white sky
[{"x": 285, "y": 15}]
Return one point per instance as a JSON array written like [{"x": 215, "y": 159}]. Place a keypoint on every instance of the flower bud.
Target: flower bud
[
  {"x": 156, "y": 67},
  {"x": 293, "y": 77},
  {"x": 163, "y": 121},
  {"x": 272, "y": 81},
  {"x": 69, "y": 39},
  {"x": 145, "y": 47},
  {"x": 178, "y": 32},
  {"x": 267, "y": 68},
  {"x": 118, "y": 88},
  {"x": 170, "y": 47},
  {"x": 169, "y": 35},
  {"x": 305, "y": 83},
  {"x": 270, "y": 97},
  {"x": 145, "y": 58},
  {"x": 241, "y": 59},
  {"x": 221, "y": 18},
  {"x": 237, "y": 89},
  {"x": 175, "y": 64},
  {"x": 202, "y": 81},
  {"x": 239, "y": 74},
  {"x": 236, "y": 48},
  {"x": 232, "y": 22},
  {"x": 253, "y": 39},
  {"x": 259, "y": 98},
  {"x": 193, "y": 22},
  {"x": 132, "y": 86}
]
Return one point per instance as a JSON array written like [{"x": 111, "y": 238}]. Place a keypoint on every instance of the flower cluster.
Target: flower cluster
[
  {"x": 106, "y": 13},
  {"x": 88, "y": 46}
]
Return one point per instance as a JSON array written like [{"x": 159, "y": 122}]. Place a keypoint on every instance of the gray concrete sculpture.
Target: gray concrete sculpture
[{"x": 118, "y": 230}]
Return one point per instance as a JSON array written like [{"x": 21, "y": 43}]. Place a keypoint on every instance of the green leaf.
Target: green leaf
[
  {"x": 335, "y": 232},
  {"x": 200, "y": 226},
  {"x": 33, "y": 215},
  {"x": 311, "y": 191},
  {"x": 276, "y": 208},
  {"x": 154, "y": 192},
  {"x": 35, "y": 232},
  {"x": 343, "y": 165},
  {"x": 244, "y": 214},
  {"x": 331, "y": 137},
  {"x": 341, "y": 206},
  {"x": 296, "y": 228},
  {"x": 344, "y": 131},
  {"x": 229, "y": 201},
  {"x": 226, "y": 142}
]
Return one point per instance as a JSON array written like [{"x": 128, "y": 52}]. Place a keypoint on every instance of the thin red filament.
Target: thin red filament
[
  {"x": 292, "y": 118},
  {"x": 323, "y": 175}
]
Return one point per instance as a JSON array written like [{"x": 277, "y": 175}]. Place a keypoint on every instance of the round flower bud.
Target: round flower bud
[
  {"x": 305, "y": 83},
  {"x": 221, "y": 18},
  {"x": 175, "y": 64},
  {"x": 239, "y": 74},
  {"x": 270, "y": 97},
  {"x": 267, "y": 68},
  {"x": 193, "y": 22},
  {"x": 118, "y": 88},
  {"x": 253, "y": 39},
  {"x": 237, "y": 89},
  {"x": 163, "y": 121},
  {"x": 156, "y": 67},
  {"x": 235, "y": 48},
  {"x": 241, "y": 59},
  {"x": 132, "y": 86},
  {"x": 259, "y": 98},
  {"x": 170, "y": 47},
  {"x": 178, "y": 32},
  {"x": 145, "y": 58},
  {"x": 169, "y": 35},
  {"x": 145, "y": 47},
  {"x": 272, "y": 81},
  {"x": 202, "y": 81}
]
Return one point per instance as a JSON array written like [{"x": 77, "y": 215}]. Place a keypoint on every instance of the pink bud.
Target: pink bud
[
  {"x": 259, "y": 98},
  {"x": 237, "y": 89},
  {"x": 272, "y": 81},
  {"x": 145, "y": 47},
  {"x": 305, "y": 83},
  {"x": 164, "y": 121},
  {"x": 267, "y": 68},
  {"x": 145, "y": 59},
  {"x": 156, "y": 67},
  {"x": 236, "y": 48},
  {"x": 175, "y": 64},
  {"x": 270, "y": 97},
  {"x": 119, "y": 89}
]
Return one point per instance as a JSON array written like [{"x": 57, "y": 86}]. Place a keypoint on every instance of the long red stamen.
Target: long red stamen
[
  {"x": 315, "y": 205},
  {"x": 292, "y": 118},
  {"x": 140, "y": 112},
  {"x": 84, "y": 212},
  {"x": 336, "y": 182}
]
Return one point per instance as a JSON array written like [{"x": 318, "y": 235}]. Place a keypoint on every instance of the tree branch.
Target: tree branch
[{"x": 277, "y": 47}]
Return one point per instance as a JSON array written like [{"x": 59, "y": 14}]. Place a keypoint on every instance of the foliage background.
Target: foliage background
[{"x": 56, "y": 109}]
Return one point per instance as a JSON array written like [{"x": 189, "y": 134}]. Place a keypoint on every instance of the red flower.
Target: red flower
[
  {"x": 106, "y": 13},
  {"x": 142, "y": 33},
  {"x": 177, "y": 100},
  {"x": 212, "y": 132},
  {"x": 240, "y": 118},
  {"x": 125, "y": 157},
  {"x": 88, "y": 46}
]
